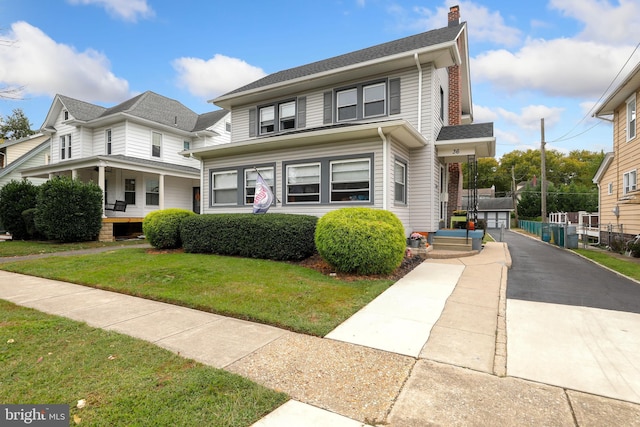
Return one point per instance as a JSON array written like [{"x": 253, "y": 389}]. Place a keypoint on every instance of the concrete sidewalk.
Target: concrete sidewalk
[{"x": 431, "y": 350}]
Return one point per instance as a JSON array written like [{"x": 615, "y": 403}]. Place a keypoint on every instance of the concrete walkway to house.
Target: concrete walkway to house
[{"x": 431, "y": 350}]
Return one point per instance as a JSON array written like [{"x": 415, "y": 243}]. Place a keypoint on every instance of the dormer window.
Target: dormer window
[{"x": 66, "y": 115}]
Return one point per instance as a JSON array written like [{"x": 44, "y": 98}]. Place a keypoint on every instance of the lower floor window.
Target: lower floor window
[
  {"x": 130, "y": 191},
  {"x": 350, "y": 180},
  {"x": 250, "y": 177},
  {"x": 224, "y": 187},
  {"x": 400, "y": 182},
  {"x": 152, "y": 192},
  {"x": 303, "y": 183}
]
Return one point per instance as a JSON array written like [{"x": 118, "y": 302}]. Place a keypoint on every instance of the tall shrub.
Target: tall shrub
[
  {"x": 69, "y": 210},
  {"x": 16, "y": 197},
  {"x": 162, "y": 227},
  {"x": 361, "y": 240}
]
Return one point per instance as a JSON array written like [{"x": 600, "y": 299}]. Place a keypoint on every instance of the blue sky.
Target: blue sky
[{"x": 551, "y": 59}]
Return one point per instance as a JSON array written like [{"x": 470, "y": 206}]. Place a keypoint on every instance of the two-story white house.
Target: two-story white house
[
  {"x": 131, "y": 151},
  {"x": 383, "y": 127}
]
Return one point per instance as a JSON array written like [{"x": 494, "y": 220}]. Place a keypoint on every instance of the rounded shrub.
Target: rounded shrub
[
  {"x": 361, "y": 240},
  {"x": 15, "y": 198},
  {"x": 162, "y": 227},
  {"x": 69, "y": 210}
]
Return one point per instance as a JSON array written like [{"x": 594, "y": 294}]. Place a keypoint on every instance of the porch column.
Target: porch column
[
  {"x": 161, "y": 190},
  {"x": 74, "y": 173},
  {"x": 101, "y": 185}
]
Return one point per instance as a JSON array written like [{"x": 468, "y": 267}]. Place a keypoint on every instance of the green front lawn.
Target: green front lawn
[
  {"x": 276, "y": 293},
  {"x": 124, "y": 381},
  {"x": 12, "y": 248}
]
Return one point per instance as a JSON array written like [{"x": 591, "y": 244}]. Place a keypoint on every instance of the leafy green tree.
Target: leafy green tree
[
  {"x": 15, "y": 126},
  {"x": 16, "y": 197},
  {"x": 69, "y": 210}
]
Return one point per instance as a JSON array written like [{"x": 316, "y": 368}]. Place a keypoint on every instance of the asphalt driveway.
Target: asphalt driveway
[{"x": 570, "y": 322}]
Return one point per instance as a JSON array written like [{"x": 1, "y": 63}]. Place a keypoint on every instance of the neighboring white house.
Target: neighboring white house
[
  {"x": 26, "y": 152},
  {"x": 132, "y": 150},
  {"x": 383, "y": 127}
]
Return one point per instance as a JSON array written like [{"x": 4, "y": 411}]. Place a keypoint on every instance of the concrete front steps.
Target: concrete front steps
[{"x": 451, "y": 243}]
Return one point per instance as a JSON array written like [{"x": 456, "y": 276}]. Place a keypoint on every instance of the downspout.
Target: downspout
[
  {"x": 432, "y": 154},
  {"x": 385, "y": 164}
]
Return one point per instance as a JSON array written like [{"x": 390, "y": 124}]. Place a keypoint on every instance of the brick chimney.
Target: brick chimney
[{"x": 454, "y": 15}]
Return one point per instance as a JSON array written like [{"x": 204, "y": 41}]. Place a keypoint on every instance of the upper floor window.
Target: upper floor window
[
  {"x": 186, "y": 145},
  {"x": 400, "y": 182},
  {"x": 441, "y": 104},
  {"x": 277, "y": 117},
  {"x": 630, "y": 181},
  {"x": 250, "y": 178},
  {"x": 152, "y": 192},
  {"x": 108, "y": 141},
  {"x": 224, "y": 187},
  {"x": 227, "y": 126},
  {"x": 65, "y": 115},
  {"x": 65, "y": 147},
  {"x": 156, "y": 147},
  {"x": 610, "y": 188},
  {"x": 362, "y": 101},
  {"x": 350, "y": 180},
  {"x": 631, "y": 117}
]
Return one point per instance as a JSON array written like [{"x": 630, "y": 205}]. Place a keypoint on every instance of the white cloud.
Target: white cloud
[
  {"x": 559, "y": 67},
  {"x": 484, "y": 25},
  {"x": 529, "y": 116},
  {"x": 215, "y": 76},
  {"x": 45, "y": 67},
  {"x": 604, "y": 22},
  {"x": 483, "y": 114},
  {"x": 128, "y": 10}
]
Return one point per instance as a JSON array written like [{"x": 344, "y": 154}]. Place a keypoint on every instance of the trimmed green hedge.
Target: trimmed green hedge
[
  {"x": 69, "y": 210},
  {"x": 361, "y": 240},
  {"x": 162, "y": 227},
  {"x": 279, "y": 237}
]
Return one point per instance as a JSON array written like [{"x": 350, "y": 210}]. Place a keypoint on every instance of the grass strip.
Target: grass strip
[
  {"x": 276, "y": 293},
  {"x": 125, "y": 381},
  {"x": 12, "y": 248},
  {"x": 628, "y": 268}
]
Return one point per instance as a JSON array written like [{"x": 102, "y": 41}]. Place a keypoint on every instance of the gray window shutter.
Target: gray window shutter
[
  {"x": 394, "y": 96},
  {"x": 253, "y": 113},
  {"x": 302, "y": 112},
  {"x": 328, "y": 108}
]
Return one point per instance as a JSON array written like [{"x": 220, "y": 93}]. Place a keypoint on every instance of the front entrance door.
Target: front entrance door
[{"x": 196, "y": 199}]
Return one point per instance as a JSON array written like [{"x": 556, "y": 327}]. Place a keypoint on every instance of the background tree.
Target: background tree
[{"x": 15, "y": 126}]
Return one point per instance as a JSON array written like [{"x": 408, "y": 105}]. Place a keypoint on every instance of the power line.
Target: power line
[{"x": 588, "y": 114}]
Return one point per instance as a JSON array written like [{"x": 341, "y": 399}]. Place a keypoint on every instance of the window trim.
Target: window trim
[
  {"x": 260, "y": 169},
  {"x": 212, "y": 173},
  {"x": 288, "y": 194},
  {"x": 325, "y": 179},
  {"x": 403, "y": 164},
  {"x": 627, "y": 186},
  {"x": 153, "y": 144},
  {"x": 632, "y": 124},
  {"x": 133, "y": 192},
  {"x": 332, "y": 163},
  {"x": 108, "y": 136},
  {"x": 277, "y": 120},
  {"x": 360, "y": 102},
  {"x": 148, "y": 193}
]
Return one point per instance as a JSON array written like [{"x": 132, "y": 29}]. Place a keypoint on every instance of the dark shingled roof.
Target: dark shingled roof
[
  {"x": 148, "y": 106},
  {"x": 407, "y": 44},
  {"x": 471, "y": 131}
]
